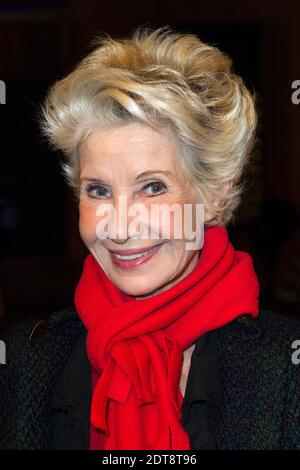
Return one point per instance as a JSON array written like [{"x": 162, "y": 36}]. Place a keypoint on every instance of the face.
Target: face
[{"x": 113, "y": 163}]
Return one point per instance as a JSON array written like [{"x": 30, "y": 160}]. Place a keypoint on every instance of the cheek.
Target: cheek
[
  {"x": 178, "y": 222},
  {"x": 87, "y": 222}
]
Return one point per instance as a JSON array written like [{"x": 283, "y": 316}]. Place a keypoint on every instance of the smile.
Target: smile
[{"x": 134, "y": 260}]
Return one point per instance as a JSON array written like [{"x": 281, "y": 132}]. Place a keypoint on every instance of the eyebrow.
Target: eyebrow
[
  {"x": 154, "y": 172},
  {"x": 142, "y": 175}
]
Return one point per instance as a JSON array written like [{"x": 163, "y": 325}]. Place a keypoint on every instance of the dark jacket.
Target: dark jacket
[{"x": 243, "y": 390}]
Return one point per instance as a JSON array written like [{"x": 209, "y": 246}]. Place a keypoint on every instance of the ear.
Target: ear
[{"x": 224, "y": 188}]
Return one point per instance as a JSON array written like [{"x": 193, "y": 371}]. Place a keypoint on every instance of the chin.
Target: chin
[{"x": 134, "y": 292}]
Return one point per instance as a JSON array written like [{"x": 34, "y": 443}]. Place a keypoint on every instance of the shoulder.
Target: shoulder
[
  {"x": 277, "y": 325},
  {"x": 33, "y": 340},
  {"x": 63, "y": 323},
  {"x": 268, "y": 340},
  {"x": 36, "y": 347},
  {"x": 260, "y": 379},
  {"x": 36, "y": 352},
  {"x": 267, "y": 329}
]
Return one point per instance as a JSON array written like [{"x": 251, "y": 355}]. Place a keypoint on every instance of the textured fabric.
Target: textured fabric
[
  {"x": 253, "y": 360},
  {"x": 71, "y": 401},
  {"x": 137, "y": 345},
  {"x": 72, "y": 398},
  {"x": 27, "y": 380}
]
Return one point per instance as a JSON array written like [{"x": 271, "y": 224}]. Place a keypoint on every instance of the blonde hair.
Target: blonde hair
[{"x": 160, "y": 77}]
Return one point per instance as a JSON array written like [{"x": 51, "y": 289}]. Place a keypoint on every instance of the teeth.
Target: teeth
[{"x": 131, "y": 257}]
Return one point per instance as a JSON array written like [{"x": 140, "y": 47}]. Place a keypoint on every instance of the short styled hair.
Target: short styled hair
[{"x": 160, "y": 78}]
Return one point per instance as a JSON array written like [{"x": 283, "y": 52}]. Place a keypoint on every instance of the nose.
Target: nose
[{"x": 119, "y": 223}]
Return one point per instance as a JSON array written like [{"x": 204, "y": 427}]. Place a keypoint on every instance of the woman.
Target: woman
[{"x": 165, "y": 346}]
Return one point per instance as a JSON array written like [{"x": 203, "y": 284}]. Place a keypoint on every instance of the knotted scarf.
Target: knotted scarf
[{"x": 136, "y": 346}]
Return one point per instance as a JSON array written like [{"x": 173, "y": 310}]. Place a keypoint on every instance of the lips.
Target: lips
[
  {"x": 128, "y": 264},
  {"x": 133, "y": 252}
]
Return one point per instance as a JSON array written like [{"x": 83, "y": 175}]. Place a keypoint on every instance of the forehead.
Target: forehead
[{"x": 134, "y": 141}]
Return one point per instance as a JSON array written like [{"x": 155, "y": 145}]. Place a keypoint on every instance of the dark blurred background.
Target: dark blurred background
[{"x": 40, "y": 251}]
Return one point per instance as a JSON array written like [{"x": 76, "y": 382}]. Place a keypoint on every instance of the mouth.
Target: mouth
[{"x": 132, "y": 261}]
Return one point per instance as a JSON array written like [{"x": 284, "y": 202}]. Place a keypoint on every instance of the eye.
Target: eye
[
  {"x": 157, "y": 186},
  {"x": 96, "y": 191}
]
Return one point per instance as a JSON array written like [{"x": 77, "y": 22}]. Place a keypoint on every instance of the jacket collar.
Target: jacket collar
[{"x": 72, "y": 392}]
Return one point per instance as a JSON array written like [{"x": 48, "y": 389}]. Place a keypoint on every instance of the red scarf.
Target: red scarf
[{"x": 137, "y": 345}]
